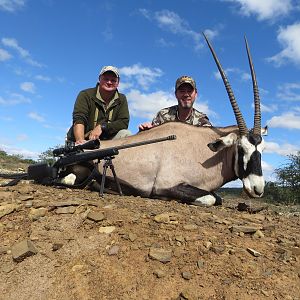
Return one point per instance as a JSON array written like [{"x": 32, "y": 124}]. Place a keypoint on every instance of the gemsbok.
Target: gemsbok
[{"x": 198, "y": 162}]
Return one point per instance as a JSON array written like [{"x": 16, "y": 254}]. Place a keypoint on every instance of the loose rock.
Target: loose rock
[
  {"x": 96, "y": 216},
  {"x": 107, "y": 229},
  {"x": 162, "y": 255},
  {"x": 22, "y": 250},
  {"x": 253, "y": 252}
]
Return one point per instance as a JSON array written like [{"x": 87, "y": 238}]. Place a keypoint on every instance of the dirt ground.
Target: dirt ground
[{"x": 72, "y": 244}]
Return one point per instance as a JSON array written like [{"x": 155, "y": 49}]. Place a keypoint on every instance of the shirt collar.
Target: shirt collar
[{"x": 189, "y": 118}]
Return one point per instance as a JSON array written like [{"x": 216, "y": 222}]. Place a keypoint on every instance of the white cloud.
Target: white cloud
[
  {"x": 234, "y": 184},
  {"x": 172, "y": 22},
  {"x": 143, "y": 75},
  {"x": 35, "y": 116},
  {"x": 124, "y": 85},
  {"x": 289, "y": 91},
  {"x": 42, "y": 78},
  {"x": 263, "y": 91},
  {"x": 266, "y": 167},
  {"x": 4, "y": 55},
  {"x": 244, "y": 76},
  {"x": 203, "y": 107},
  {"x": 14, "y": 99},
  {"x": 11, "y": 5},
  {"x": 147, "y": 105},
  {"x": 28, "y": 87},
  {"x": 165, "y": 44},
  {"x": 218, "y": 76},
  {"x": 22, "y": 137},
  {"x": 268, "y": 171},
  {"x": 6, "y": 118},
  {"x": 107, "y": 33},
  {"x": 288, "y": 120},
  {"x": 211, "y": 34},
  {"x": 18, "y": 151},
  {"x": 145, "y": 13},
  {"x": 267, "y": 108},
  {"x": 282, "y": 149},
  {"x": 289, "y": 38},
  {"x": 13, "y": 43},
  {"x": 61, "y": 79},
  {"x": 264, "y": 9}
]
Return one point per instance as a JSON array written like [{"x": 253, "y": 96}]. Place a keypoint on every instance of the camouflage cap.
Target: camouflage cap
[
  {"x": 110, "y": 69},
  {"x": 185, "y": 79}
]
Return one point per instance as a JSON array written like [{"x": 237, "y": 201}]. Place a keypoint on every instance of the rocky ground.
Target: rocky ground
[{"x": 71, "y": 244}]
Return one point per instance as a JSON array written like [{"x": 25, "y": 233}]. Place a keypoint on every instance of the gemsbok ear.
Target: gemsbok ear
[
  {"x": 264, "y": 130},
  {"x": 223, "y": 142}
]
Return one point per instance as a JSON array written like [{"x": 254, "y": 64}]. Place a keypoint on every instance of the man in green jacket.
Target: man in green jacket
[{"x": 100, "y": 112}]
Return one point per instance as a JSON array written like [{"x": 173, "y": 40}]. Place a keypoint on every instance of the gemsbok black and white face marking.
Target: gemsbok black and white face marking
[
  {"x": 249, "y": 143},
  {"x": 248, "y": 164}
]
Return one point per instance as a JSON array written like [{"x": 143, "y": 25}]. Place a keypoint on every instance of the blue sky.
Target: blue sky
[{"x": 52, "y": 49}]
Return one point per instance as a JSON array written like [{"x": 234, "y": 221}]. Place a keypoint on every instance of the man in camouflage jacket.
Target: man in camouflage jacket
[{"x": 186, "y": 93}]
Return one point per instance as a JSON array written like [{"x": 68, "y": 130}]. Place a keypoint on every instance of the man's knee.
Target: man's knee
[
  {"x": 122, "y": 133},
  {"x": 81, "y": 171}
]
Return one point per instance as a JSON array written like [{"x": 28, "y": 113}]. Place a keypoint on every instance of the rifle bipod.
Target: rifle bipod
[
  {"x": 108, "y": 163},
  {"x": 96, "y": 176}
]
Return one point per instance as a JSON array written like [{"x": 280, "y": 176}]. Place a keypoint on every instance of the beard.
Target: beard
[{"x": 186, "y": 104}]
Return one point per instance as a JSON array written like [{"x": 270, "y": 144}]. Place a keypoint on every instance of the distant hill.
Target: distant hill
[
  {"x": 13, "y": 162},
  {"x": 232, "y": 193}
]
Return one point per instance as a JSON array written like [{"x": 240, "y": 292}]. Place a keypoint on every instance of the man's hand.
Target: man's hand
[
  {"x": 79, "y": 142},
  {"x": 145, "y": 126},
  {"x": 95, "y": 133}
]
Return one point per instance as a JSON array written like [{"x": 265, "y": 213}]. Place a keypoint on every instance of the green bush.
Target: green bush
[
  {"x": 278, "y": 194},
  {"x": 3, "y": 154}
]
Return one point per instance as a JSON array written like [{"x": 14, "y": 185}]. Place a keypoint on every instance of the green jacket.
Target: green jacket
[{"x": 90, "y": 111}]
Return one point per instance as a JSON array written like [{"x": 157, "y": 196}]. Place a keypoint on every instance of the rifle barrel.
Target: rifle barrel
[{"x": 167, "y": 138}]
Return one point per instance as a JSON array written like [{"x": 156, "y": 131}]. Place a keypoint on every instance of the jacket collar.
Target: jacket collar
[{"x": 99, "y": 99}]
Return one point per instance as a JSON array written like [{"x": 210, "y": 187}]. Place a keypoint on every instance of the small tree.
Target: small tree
[
  {"x": 287, "y": 188},
  {"x": 47, "y": 156},
  {"x": 289, "y": 174}
]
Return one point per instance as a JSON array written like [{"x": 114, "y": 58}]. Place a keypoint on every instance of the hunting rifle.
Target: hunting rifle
[{"x": 46, "y": 174}]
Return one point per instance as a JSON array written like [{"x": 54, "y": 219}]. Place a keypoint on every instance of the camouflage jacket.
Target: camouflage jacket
[{"x": 170, "y": 114}]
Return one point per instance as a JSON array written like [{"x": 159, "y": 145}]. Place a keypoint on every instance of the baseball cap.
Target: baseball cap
[
  {"x": 109, "y": 69},
  {"x": 185, "y": 79}
]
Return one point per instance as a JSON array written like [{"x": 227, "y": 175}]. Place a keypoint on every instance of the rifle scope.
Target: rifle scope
[{"x": 90, "y": 145}]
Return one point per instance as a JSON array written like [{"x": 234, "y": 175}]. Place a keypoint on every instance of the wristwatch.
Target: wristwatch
[{"x": 104, "y": 127}]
